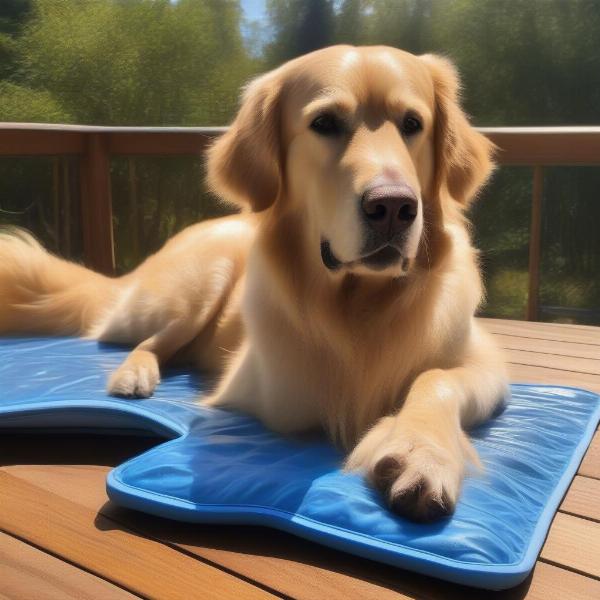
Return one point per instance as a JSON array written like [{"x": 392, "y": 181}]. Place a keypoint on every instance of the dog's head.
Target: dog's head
[{"x": 368, "y": 143}]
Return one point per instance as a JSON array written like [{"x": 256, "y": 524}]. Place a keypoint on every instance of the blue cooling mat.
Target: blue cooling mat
[{"x": 221, "y": 467}]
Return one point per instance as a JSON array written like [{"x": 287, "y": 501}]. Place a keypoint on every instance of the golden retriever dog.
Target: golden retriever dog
[{"x": 342, "y": 297}]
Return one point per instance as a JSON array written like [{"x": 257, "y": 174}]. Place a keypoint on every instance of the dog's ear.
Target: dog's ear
[
  {"x": 244, "y": 164},
  {"x": 463, "y": 156}
]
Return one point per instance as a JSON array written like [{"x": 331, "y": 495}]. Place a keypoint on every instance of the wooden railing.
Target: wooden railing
[
  {"x": 541, "y": 147},
  {"x": 537, "y": 147}
]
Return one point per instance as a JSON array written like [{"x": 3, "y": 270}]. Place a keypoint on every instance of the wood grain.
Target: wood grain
[
  {"x": 552, "y": 583},
  {"x": 281, "y": 562},
  {"x": 517, "y": 145},
  {"x": 139, "y": 143},
  {"x": 545, "y": 145},
  {"x": 516, "y": 342},
  {"x": 545, "y": 331},
  {"x": 77, "y": 534},
  {"x": 96, "y": 205},
  {"x": 529, "y": 374},
  {"x": 552, "y": 361},
  {"x": 63, "y": 508},
  {"x": 83, "y": 484},
  {"x": 31, "y": 143},
  {"x": 574, "y": 543},
  {"x": 277, "y": 560},
  {"x": 26, "y": 572},
  {"x": 583, "y": 498},
  {"x": 590, "y": 466},
  {"x": 554, "y": 327}
]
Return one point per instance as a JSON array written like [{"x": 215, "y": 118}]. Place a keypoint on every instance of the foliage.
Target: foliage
[
  {"x": 13, "y": 13},
  {"x": 151, "y": 63},
  {"x": 182, "y": 62},
  {"x": 20, "y": 104},
  {"x": 300, "y": 27},
  {"x": 156, "y": 198}
]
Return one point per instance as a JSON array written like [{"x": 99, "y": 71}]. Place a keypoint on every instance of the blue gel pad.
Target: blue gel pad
[{"x": 224, "y": 467}]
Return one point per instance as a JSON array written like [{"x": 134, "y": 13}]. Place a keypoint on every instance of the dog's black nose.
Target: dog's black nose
[{"x": 390, "y": 209}]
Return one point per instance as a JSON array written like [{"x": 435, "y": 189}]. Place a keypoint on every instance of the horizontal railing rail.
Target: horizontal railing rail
[
  {"x": 537, "y": 147},
  {"x": 528, "y": 146}
]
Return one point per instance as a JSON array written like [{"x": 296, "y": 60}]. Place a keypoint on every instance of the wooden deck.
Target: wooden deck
[{"x": 61, "y": 538}]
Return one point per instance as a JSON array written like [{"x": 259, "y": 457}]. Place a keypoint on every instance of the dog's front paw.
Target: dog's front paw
[
  {"x": 137, "y": 377},
  {"x": 419, "y": 473},
  {"x": 418, "y": 483}
]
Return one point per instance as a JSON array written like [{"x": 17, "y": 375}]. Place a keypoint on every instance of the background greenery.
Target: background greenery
[{"x": 181, "y": 62}]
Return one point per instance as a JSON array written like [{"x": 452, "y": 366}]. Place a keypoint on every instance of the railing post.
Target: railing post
[
  {"x": 535, "y": 240},
  {"x": 96, "y": 205},
  {"x": 135, "y": 214},
  {"x": 56, "y": 203},
  {"x": 66, "y": 244}
]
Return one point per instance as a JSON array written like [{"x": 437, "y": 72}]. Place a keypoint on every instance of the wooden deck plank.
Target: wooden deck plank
[
  {"x": 528, "y": 374},
  {"x": 251, "y": 552},
  {"x": 541, "y": 325},
  {"x": 575, "y": 543},
  {"x": 49, "y": 497},
  {"x": 590, "y": 466},
  {"x": 583, "y": 498},
  {"x": 552, "y": 583},
  {"x": 306, "y": 571},
  {"x": 552, "y": 361},
  {"x": 544, "y": 331},
  {"x": 77, "y": 534},
  {"x": 26, "y": 572},
  {"x": 288, "y": 565},
  {"x": 515, "y": 342}
]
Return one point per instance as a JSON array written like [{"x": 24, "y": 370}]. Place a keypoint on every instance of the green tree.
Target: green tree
[
  {"x": 350, "y": 23},
  {"x": 161, "y": 62},
  {"x": 116, "y": 62},
  {"x": 137, "y": 62},
  {"x": 404, "y": 24},
  {"x": 21, "y": 104},
  {"x": 13, "y": 15},
  {"x": 300, "y": 26}
]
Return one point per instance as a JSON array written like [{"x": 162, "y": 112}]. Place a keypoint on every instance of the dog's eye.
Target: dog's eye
[
  {"x": 327, "y": 125},
  {"x": 410, "y": 125}
]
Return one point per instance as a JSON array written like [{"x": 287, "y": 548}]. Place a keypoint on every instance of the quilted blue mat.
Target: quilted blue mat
[{"x": 221, "y": 467}]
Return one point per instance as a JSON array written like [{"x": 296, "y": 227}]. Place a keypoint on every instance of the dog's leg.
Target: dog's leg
[
  {"x": 418, "y": 456},
  {"x": 140, "y": 372},
  {"x": 238, "y": 389}
]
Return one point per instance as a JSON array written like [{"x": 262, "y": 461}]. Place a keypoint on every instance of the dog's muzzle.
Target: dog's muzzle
[{"x": 389, "y": 210}]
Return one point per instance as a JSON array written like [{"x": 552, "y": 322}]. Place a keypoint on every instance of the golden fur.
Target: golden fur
[{"x": 389, "y": 361}]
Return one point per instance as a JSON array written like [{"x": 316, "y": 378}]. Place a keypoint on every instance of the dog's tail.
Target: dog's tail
[{"x": 41, "y": 293}]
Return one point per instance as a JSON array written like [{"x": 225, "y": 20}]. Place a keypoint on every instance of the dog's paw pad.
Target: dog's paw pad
[
  {"x": 417, "y": 479},
  {"x": 419, "y": 503},
  {"x": 387, "y": 470}
]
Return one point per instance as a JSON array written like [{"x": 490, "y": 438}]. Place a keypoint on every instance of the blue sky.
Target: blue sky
[{"x": 254, "y": 9}]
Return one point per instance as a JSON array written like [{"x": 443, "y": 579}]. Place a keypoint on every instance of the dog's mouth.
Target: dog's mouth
[{"x": 380, "y": 259}]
